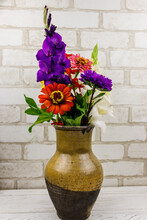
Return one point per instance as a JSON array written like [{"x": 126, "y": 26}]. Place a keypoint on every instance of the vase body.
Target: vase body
[{"x": 73, "y": 175}]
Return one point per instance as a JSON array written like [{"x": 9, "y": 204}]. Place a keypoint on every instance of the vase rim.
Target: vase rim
[{"x": 74, "y": 128}]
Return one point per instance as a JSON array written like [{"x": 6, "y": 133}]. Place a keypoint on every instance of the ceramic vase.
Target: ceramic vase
[{"x": 73, "y": 175}]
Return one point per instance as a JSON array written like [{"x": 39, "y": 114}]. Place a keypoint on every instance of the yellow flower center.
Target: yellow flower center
[
  {"x": 57, "y": 97},
  {"x": 81, "y": 60}
]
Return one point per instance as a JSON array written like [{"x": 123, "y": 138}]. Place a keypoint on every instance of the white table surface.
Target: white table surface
[{"x": 121, "y": 203}]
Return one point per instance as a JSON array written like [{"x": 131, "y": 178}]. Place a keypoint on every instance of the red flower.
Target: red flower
[
  {"x": 78, "y": 63},
  {"x": 57, "y": 98},
  {"x": 76, "y": 84}
]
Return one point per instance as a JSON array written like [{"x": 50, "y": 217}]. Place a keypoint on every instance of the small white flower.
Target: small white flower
[{"x": 101, "y": 108}]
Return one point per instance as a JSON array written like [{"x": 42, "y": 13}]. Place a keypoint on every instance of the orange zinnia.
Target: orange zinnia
[{"x": 57, "y": 98}]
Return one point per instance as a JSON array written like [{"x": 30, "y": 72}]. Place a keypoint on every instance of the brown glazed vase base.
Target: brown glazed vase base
[{"x": 72, "y": 205}]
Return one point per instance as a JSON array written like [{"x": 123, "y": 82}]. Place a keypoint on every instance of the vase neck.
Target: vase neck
[{"x": 74, "y": 141}]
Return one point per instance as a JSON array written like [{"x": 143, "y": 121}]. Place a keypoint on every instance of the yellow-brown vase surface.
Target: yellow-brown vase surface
[{"x": 74, "y": 166}]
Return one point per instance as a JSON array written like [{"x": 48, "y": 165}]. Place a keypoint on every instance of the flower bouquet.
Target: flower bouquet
[{"x": 75, "y": 93}]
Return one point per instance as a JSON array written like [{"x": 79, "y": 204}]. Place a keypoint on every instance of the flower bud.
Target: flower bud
[{"x": 45, "y": 12}]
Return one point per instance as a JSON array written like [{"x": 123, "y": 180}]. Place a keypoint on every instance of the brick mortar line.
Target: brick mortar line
[{"x": 75, "y": 9}]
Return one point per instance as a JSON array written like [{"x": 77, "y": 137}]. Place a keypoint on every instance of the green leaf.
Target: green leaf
[
  {"x": 99, "y": 95},
  {"x": 42, "y": 118},
  {"x": 88, "y": 83},
  {"x": 79, "y": 98},
  {"x": 88, "y": 93},
  {"x": 80, "y": 108},
  {"x": 32, "y": 111},
  {"x": 94, "y": 55},
  {"x": 96, "y": 102},
  {"x": 74, "y": 122},
  {"x": 30, "y": 102}
]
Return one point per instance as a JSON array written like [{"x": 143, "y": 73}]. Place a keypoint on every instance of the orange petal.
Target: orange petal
[
  {"x": 48, "y": 103},
  {"x": 50, "y": 86},
  {"x": 67, "y": 89},
  {"x": 51, "y": 108},
  {"x": 69, "y": 103},
  {"x": 67, "y": 94},
  {"x": 56, "y": 110},
  {"x": 69, "y": 98},
  {"x": 65, "y": 107},
  {"x": 42, "y": 97},
  {"x": 54, "y": 86},
  {"x": 60, "y": 87},
  {"x": 43, "y": 106},
  {"x": 62, "y": 112},
  {"x": 44, "y": 91},
  {"x": 49, "y": 90}
]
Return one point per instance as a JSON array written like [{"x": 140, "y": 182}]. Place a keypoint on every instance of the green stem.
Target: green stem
[
  {"x": 57, "y": 118},
  {"x": 90, "y": 105},
  {"x": 76, "y": 74}
]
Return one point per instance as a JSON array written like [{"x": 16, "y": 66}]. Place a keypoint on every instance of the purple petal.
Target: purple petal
[
  {"x": 49, "y": 19},
  {"x": 56, "y": 38},
  {"x": 43, "y": 66},
  {"x": 40, "y": 55},
  {"x": 41, "y": 76},
  {"x": 48, "y": 47}
]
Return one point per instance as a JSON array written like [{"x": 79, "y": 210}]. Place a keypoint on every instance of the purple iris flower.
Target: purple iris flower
[
  {"x": 98, "y": 80},
  {"x": 52, "y": 60}
]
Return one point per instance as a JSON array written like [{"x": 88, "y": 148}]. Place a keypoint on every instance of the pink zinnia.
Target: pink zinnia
[{"x": 79, "y": 63}]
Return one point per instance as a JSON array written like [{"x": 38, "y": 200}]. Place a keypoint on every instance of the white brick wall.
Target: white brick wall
[
  {"x": 7, "y": 184},
  {"x": 124, "y": 133},
  {"x": 32, "y": 151},
  {"x": 120, "y": 29},
  {"x": 105, "y": 39},
  {"x": 20, "y": 169},
  {"x": 120, "y": 115},
  {"x": 40, "y": 4},
  {"x": 20, "y": 133},
  {"x": 11, "y": 37},
  {"x": 138, "y": 77},
  {"x": 5, "y": 74},
  {"x": 136, "y": 5},
  {"x": 24, "y": 57},
  {"x": 6, "y": 3},
  {"x": 139, "y": 114},
  {"x": 14, "y": 96},
  {"x": 98, "y": 4},
  {"x": 141, "y": 40},
  {"x": 37, "y": 183},
  {"x": 129, "y": 96},
  {"x": 137, "y": 150},
  {"x": 9, "y": 114},
  {"x": 104, "y": 152},
  {"x": 78, "y": 19},
  {"x": 125, "y": 21},
  {"x": 128, "y": 58},
  {"x": 10, "y": 151},
  {"x": 123, "y": 168}
]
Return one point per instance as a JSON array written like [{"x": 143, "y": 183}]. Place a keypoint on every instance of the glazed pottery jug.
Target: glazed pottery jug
[{"x": 73, "y": 175}]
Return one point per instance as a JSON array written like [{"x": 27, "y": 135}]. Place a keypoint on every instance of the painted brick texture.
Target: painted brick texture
[{"x": 120, "y": 29}]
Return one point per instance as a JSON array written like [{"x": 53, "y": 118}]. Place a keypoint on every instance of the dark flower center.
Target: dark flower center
[
  {"x": 56, "y": 97},
  {"x": 81, "y": 60}
]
